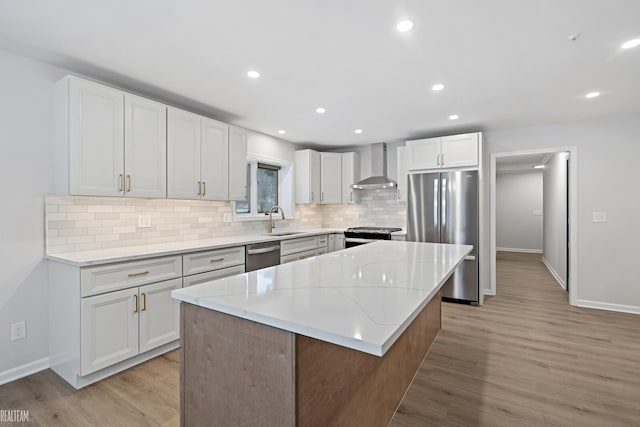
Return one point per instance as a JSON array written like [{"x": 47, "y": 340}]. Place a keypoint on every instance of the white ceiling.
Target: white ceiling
[
  {"x": 520, "y": 163},
  {"x": 504, "y": 63}
]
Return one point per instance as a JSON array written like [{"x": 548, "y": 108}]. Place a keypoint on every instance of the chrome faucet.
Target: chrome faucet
[{"x": 271, "y": 224}]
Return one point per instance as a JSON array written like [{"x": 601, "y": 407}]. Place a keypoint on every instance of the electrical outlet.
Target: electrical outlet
[
  {"x": 18, "y": 330},
  {"x": 227, "y": 217},
  {"x": 144, "y": 221},
  {"x": 599, "y": 217}
]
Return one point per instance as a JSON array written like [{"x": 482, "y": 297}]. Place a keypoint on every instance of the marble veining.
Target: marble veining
[{"x": 362, "y": 298}]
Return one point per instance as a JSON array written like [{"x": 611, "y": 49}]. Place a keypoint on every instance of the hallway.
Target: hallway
[{"x": 528, "y": 358}]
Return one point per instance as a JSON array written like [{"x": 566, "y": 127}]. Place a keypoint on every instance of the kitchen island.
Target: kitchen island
[{"x": 330, "y": 340}]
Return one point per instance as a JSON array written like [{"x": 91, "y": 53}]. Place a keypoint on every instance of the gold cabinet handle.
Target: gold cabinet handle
[
  {"x": 120, "y": 182},
  {"x": 199, "y": 188},
  {"x": 438, "y": 160},
  {"x": 204, "y": 188},
  {"x": 144, "y": 301},
  {"x": 312, "y": 196},
  {"x": 217, "y": 260},
  {"x": 142, "y": 273},
  {"x": 135, "y": 298},
  {"x": 322, "y": 196},
  {"x": 351, "y": 196},
  {"x": 128, "y": 183},
  {"x": 398, "y": 194},
  {"x": 442, "y": 160}
]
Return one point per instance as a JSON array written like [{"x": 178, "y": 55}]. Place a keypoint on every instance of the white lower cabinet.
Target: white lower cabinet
[
  {"x": 119, "y": 325},
  {"x": 304, "y": 247},
  {"x": 109, "y": 329}
]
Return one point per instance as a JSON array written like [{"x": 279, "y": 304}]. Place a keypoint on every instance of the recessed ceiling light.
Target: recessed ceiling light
[
  {"x": 320, "y": 110},
  {"x": 357, "y": 131},
  {"x": 282, "y": 131},
  {"x": 404, "y": 26},
  {"x": 453, "y": 117},
  {"x": 592, "y": 95},
  {"x": 253, "y": 74},
  {"x": 630, "y": 44},
  {"x": 437, "y": 87}
]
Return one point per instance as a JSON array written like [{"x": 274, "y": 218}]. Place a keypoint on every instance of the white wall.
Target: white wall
[
  {"x": 519, "y": 211},
  {"x": 555, "y": 216},
  {"x": 25, "y": 173},
  {"x": 608, "y": 151}
]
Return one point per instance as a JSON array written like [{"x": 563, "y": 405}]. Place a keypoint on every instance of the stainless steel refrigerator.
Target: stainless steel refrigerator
[{"x": 443, "y": 208}]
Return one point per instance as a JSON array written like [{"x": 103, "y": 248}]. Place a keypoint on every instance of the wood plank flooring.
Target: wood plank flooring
[
  {"x": 524, "y": 358},
  {"x": 528, "y": 358}
]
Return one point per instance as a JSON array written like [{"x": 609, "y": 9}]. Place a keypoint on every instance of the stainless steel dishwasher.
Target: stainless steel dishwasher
[{"x": 261, "y": 255}]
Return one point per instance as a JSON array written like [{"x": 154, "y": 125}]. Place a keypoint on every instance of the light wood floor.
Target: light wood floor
[{"x": 524, "y": 358}]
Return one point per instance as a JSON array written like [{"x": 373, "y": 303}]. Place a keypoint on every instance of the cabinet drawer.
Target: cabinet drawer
[
  {"x": 98, "y": 280},
  {"x": 202, "y": 262},
  {"x": 293, "y": 246},
  {"x": 322, "y": 241},
  {"x": 297, "y": 256},
  {"x": 321, "y": 251},
  {"x": 212, "y": 275}
]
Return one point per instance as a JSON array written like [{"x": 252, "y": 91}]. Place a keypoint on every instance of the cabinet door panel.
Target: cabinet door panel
[
  {"x": 145, "y": 148},
  {"x": 350, "y": 175},
  {"x": 96, "y": 140},
  {"x": 237, "y": 163},
  {"x": 215, "y": 160},
  {"x": 423, "y": 154},
  {"x": 460, "y": 150},
  {"x": 109, "y": 329},
  {"x": 402, "y": 174},
  {"x": 314, "y": 179},
  {"x": 159, "y": 314},
  {"x": 330, "y": 178},
  {"x": 183, "y": 151}
]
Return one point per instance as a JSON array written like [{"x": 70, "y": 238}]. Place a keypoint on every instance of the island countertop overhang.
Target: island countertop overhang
[{"x": 361, "y": 298}]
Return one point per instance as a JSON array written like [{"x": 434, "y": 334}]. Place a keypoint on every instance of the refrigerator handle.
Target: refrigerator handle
[
  {"x": 443, "y": 218},
  {"x": 436, "y": 230}
]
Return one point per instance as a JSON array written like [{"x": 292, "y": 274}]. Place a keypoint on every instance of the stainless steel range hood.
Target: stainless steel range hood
[{"x": 378, "y": 178}]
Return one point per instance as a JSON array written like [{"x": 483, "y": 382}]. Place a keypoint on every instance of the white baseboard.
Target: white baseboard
[
  {"x": 608, "y": 306},
  {"x": 524, "y": 251},
  {"x": 554, "y": 274},
  {"x": 24, "y": 370}
]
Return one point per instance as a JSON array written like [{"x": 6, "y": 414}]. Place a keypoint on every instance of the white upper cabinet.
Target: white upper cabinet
[
  {"x": 183, "y": 151},
  {"x": 460, "y": 150},
  {"x": 92, "y": 133},
  {"x": 145, "y": 147},
  {"x": 237, "y": 163},
  {"x": 423, "y": 154},
  {"x": 109, "y": 143},
  {"x": 402, "y": 174},
  {"x": 330, "y": 178},
  {"x": 200, "y": 152},
  {"x": 307, "y": 176},
  {"x": 350, "y": 175},
  {"x": 445, "y": 152},
  {"x": 214, "y": 160}
]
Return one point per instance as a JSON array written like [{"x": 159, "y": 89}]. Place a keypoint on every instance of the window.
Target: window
[{"x": 264, "y": 189}]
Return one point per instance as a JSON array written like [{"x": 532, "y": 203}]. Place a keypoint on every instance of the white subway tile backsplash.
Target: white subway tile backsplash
[{"x": 111, "y": 222}]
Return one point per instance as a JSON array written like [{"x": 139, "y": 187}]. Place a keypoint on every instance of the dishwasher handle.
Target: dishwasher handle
[{"x": 263, "y": 250}]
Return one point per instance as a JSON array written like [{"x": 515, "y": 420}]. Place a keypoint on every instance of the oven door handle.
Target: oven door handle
[{"x": 358, "y": 240}]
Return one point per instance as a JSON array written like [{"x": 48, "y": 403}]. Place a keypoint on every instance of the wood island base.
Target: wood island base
[{"x": 238, "y": 372}]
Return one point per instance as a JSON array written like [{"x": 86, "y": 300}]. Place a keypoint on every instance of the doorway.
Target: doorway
[{"x": 562, "y": 167}]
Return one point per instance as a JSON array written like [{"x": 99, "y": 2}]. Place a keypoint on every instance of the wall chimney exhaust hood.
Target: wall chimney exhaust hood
[{"x": 378, "y": 178}]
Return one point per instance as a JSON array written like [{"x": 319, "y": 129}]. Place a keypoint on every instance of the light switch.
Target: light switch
[
  {"x": 144, "y": 221},
  {"x": 599, "y": 217}
]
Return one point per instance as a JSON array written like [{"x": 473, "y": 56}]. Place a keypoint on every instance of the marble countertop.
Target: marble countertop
[
  {"x": 106, "y": 256},
  {"x": 361, "y": 298}
]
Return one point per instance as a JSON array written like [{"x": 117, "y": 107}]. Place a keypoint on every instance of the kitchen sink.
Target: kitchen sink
[{"x": 283, "y": 233}]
